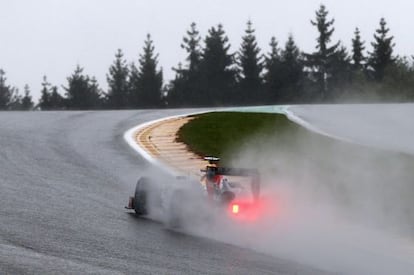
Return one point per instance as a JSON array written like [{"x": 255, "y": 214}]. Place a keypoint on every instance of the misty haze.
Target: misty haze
[{"x": 206, "y": 137}]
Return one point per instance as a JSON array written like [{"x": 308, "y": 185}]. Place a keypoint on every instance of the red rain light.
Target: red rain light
[{"x": 235, "y": 208}]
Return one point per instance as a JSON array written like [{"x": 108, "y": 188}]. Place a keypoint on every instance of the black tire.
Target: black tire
[{"x": 141, "y": 196}]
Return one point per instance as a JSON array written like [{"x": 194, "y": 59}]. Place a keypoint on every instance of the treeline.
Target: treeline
[
  {"x": 11, "y": 99},
  {"x": 129, "y": 86},
  {"x": 212, "y": 75}
]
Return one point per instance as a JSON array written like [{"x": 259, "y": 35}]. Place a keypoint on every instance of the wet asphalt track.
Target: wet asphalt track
[{"x": 65, "y": 178}]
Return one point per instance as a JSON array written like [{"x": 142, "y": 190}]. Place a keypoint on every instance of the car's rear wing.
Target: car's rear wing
[
  {"x": 227, "y": 171},
  {"x": 243, "y": 172}
]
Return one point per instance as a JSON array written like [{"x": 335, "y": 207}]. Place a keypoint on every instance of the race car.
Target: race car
[{"x": 234, "y": 192}]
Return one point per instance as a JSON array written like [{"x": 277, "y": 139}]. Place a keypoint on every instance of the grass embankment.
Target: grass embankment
[{"x": 218, "y": 132}]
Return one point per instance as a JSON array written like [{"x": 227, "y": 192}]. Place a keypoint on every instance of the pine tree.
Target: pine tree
[
  {"x": 250, "y": 62},
  {"x": 292, "y": 72},
  {"x": 95, "y": 93},
  {"x": 118, "y": 82},
  {"x": 398, "y": 82},
  {"x": 133, "y": 86},
  {"x": 184, "y": 89},
  {"x": 56, "y": 100},
  {"x": 44, "y": 102},
  {"x": 77, "y": 90},
  {"x": 341, "y": 73},
  {"x": 358, "y": 48},
  {"x": 320, "y": 60},
  {"x": 190, "y": 75},
  {"x": 191, "y": 44},
  {"x": 177, "y": 96},
  {"x": 27, "y": 102},
  {"x": 217, "y": 69},
  {"x": 7, "y": 93},
  {"x": 147, "y": 81},
  {"x": 382, "y": 55},
  {"x": 273, "y": 68},
  {"x": 81, "y": 93}
]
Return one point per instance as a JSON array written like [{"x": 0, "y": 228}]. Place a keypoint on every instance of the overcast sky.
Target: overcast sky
[{"x": 49, "y": 37}]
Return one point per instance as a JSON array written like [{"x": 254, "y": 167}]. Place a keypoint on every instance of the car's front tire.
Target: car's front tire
[{"x": 141, "y": 196}]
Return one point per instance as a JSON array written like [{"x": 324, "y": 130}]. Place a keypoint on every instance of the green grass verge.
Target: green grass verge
[{"x": 217, "y": 133}]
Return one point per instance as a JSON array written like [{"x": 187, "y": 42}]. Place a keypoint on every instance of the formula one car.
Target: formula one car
[{"x": 233, "y": 191}]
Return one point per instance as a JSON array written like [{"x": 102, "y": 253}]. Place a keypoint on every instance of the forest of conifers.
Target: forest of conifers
[{"x": 212, "y": 75}]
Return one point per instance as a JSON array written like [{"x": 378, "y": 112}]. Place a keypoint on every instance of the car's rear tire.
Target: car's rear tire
[{"x": 142, "y": 190}]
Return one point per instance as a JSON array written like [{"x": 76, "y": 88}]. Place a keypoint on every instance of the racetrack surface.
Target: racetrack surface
[
  {"x": 65, "y": 178},
  {"x": 385, "y": 126}
]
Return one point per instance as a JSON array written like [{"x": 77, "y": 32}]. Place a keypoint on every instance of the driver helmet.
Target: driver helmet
[{"x": 211, "y": 171}]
